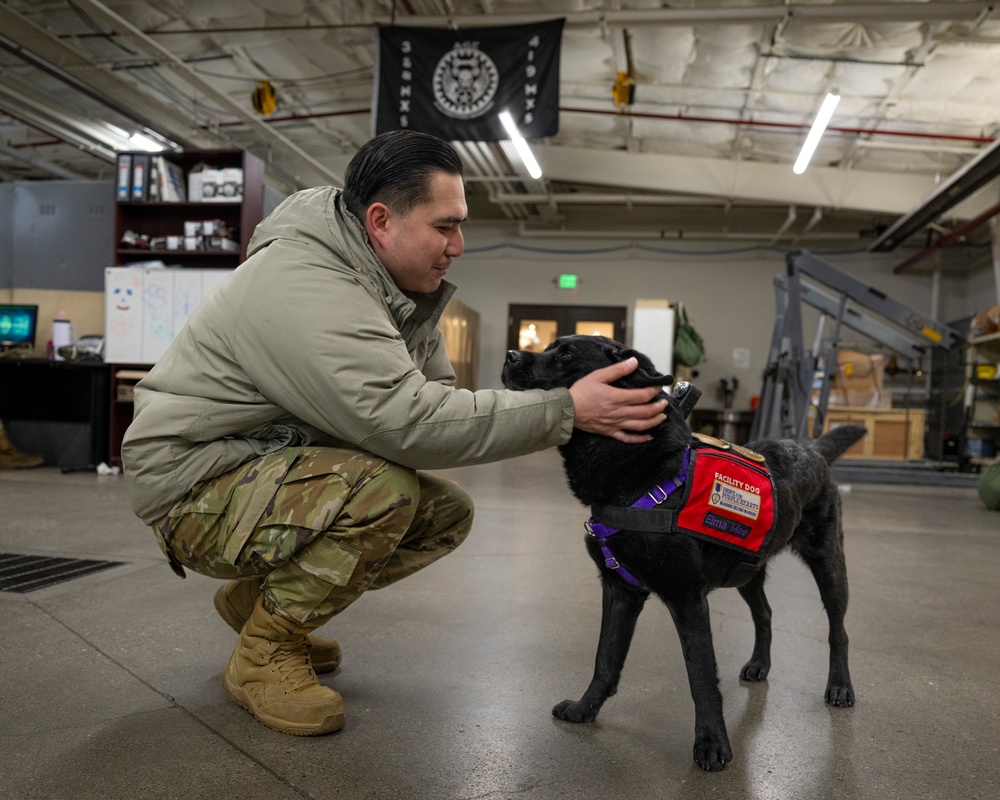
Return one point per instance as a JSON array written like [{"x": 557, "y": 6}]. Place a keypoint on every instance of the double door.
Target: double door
[{"x": 533, "y": 327}]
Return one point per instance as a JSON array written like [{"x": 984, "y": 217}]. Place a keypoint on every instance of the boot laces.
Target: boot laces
[{"x": 291, "y": 661}]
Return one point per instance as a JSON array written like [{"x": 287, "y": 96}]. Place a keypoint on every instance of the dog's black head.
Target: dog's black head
[
  {"x": 601, "y": 469},
  {"x": 569, "y": 358}
]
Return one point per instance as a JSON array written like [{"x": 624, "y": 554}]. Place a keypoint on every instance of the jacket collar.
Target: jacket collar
[{"x": 427, "y": 310}]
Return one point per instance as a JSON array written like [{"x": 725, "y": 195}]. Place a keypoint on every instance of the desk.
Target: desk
[{"x": 57, "y": 409}]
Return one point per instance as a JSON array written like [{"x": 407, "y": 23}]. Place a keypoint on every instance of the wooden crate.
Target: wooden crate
[{"x": 894, "y": 434}]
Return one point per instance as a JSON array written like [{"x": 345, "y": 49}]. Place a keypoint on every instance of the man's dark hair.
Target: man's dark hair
[{"x": 396, "y": 168}]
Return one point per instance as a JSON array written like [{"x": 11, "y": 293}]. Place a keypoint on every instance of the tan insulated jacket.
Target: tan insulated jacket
[{"x": 310, "y": 342}]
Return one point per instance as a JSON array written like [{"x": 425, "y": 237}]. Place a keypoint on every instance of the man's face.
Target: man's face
[{"x": 417, "y": 248}]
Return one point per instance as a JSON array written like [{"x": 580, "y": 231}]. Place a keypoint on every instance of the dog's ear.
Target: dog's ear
[{"x": 645, "y": 374}]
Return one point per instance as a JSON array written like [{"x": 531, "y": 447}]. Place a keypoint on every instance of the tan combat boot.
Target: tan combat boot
[
  {"x": 234, "y": 602},
  {"x": 12, "y": 458},
  {"x": 270, "y": 676}
]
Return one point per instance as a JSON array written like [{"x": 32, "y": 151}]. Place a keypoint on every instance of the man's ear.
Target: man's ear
[{"x": 377, "y": 220}]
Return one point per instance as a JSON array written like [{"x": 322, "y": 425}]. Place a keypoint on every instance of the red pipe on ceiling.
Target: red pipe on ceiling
[
  {"x": 683, "y": 118},
  {"x": 783, "y": 125},
  {"x": 953, "y": 236}
]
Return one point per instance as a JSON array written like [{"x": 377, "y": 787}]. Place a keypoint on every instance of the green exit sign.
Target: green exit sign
[{"x": 567, "y": 281}]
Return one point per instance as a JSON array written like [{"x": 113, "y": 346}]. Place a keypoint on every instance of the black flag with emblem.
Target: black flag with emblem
[{"x": 453, "y": 84}]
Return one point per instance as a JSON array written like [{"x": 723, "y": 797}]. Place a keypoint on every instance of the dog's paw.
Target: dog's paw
[
  {"x": 754, "y": 671},
  {"x": 840, "y": 696},
  {"x": 712, "y": 753},
  {"x": 570, "y": 711}
]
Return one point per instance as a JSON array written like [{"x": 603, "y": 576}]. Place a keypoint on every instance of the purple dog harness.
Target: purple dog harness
[{"x": 602, "y": 532}]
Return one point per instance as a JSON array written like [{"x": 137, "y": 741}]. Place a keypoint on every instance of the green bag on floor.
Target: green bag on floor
[{"x": 989, "y": 487}]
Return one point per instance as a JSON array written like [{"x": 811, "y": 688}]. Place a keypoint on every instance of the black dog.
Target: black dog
[{"x": 680, "y": 569}]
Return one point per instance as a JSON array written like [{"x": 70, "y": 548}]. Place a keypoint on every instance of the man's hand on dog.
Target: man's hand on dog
[{"x": 622, "y": 414}]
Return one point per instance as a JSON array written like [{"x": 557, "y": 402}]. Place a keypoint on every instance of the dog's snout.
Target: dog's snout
[{"x": 513, "y": 355}]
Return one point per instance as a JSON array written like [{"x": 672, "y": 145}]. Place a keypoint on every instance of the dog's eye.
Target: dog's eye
[{"x": 566, "y": 356}]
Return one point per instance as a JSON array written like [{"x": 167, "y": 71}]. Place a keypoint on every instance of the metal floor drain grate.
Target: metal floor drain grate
[{"x": 19, "y": 573}]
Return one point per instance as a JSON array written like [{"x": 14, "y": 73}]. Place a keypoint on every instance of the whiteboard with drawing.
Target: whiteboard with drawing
[{"x": 145, "y": 308}]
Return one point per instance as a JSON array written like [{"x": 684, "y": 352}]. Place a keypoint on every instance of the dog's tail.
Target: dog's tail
[{"x": 832, "y": 444}]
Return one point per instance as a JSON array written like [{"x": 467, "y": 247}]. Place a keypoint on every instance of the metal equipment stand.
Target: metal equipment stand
[{"x": 792, "y": 372}]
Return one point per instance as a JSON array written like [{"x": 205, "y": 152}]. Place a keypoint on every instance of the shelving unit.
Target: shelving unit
[
  {"x": 987, "y": 347},
  {"x": 158, "y": 219},
  {"x": 984, "y": 399}
]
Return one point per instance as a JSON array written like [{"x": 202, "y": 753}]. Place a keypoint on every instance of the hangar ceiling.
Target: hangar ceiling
[{"x": 723, "y": 95}]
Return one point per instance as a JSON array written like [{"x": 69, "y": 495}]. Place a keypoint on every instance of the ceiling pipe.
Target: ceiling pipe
[
  {"x": 76, "y": 132},
  {"x": 868, "y": 12},
  {"x": 663, "y": 234},
  {"x": 952, "y": 238},
  {"x": 188, "y": 75},
  {"x": 491, "y": 172},
  {"x": 300, "y": 117},
  {"x": 789, "y": 221},
  {"x": 894, "y": 12},
  {"x": 814, "y": 220},
  {"x": 38, "y": 46},
  {"x": 597, "y": 198},
  {"x": 957, "y": 149},
  {"x": 37, "y": 163},
  {"x": 127, "y": 109},
  {"x": 793, "y": 126}
]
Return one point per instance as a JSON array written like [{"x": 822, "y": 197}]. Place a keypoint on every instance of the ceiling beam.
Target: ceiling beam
[
  {"x": 949, "y": 239},
  {"x": 44, "y": 50},
  {"x": 963, "y": 183},
  {"x": 826, "y": 187},
  {"x": 697, "y": 15},
  {"x": 183, "y": 71},
  {"x": 25, "y": 105},
  {"x": 831, "y": 188},
  {"x": 36, "y": 163}
]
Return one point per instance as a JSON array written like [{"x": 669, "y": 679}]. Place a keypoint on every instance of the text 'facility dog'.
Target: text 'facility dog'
[{"x": 683, "y": 514}]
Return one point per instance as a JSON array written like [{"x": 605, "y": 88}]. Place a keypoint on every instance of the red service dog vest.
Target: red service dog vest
[
  {"x": 728, "y": 499},
  {"x": 723, "y": 494}
]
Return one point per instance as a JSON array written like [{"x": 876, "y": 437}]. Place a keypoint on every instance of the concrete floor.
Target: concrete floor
[{"x": 110, "y": 684}]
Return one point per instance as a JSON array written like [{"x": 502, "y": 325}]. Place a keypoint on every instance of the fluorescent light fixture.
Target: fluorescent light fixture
[
  {"x": 816, "y": 132},
  {"x": 520, "y": 145},
  {"x": 142, "y": 142}
]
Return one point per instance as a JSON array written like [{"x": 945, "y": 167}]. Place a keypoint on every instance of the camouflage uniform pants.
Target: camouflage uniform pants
[{"x": 321, "y": 524}]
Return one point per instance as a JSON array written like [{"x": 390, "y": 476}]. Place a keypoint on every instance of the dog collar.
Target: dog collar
[{"x": 651, "y": 499}]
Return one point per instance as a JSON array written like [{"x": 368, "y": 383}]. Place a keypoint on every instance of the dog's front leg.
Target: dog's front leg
[
  {"x": 711, "y": 741},
  {"x": 621, "y": 607}
]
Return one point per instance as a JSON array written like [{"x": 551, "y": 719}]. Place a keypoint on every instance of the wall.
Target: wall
[
  {"x": 56, "y": 238},
  {"x": 727, "y": 288}
]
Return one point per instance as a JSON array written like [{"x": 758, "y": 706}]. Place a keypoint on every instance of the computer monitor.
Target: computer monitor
[{"x": 17, "y": 325}]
